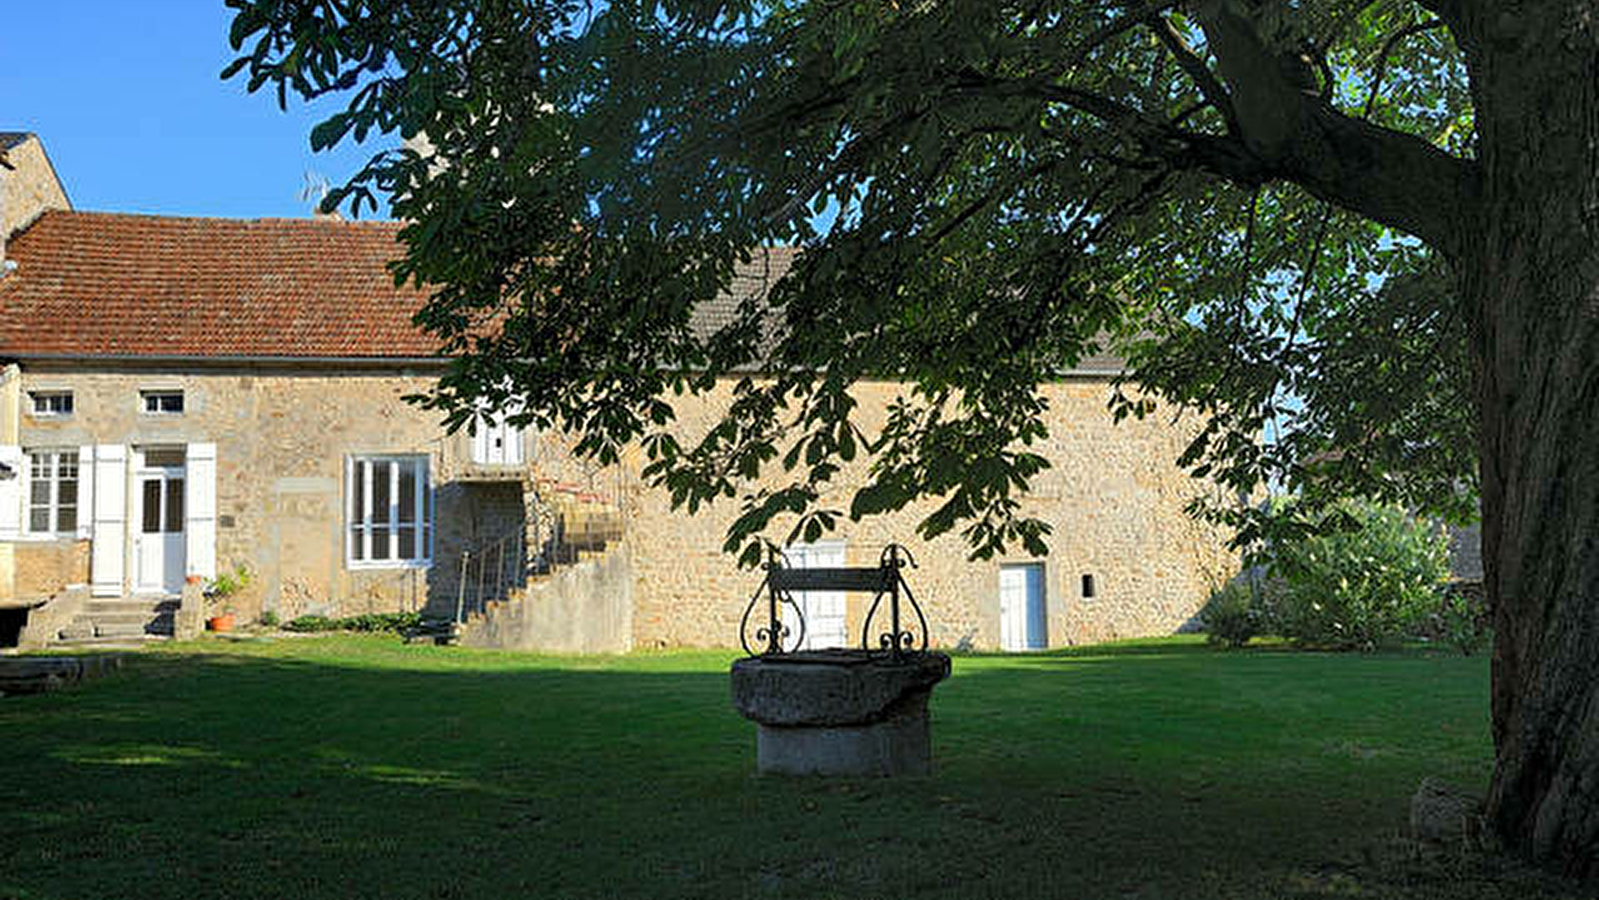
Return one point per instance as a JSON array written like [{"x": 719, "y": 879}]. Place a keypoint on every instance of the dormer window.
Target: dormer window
[
  {"x": 51, "y": 403},
  {"x": 162, "y": 403}
]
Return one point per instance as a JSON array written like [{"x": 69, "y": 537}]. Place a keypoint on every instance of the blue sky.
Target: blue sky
[{"x": 127, "y": 99}]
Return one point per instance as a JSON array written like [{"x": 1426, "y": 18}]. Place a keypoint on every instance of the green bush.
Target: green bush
[
  {"x": 1371, "y": 577},
  {"x": 1463, "y": 620},
  {"x": 391, "y": 622},
  {"x": 269, "y": 619},
  {"x": 381, "y": 622},
  {"x": 311, "y": 624},
  {"x": 226, "y": 584},
  {"x": 1233, "y": 615}
]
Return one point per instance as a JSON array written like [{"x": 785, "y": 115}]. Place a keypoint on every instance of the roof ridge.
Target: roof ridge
[{"x": 236, "y": 220}]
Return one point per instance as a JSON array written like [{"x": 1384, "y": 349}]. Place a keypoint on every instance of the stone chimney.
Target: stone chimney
[{"x": 28, "y": 185}]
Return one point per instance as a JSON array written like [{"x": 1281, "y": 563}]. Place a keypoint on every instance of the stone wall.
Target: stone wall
[
  {"x": 282, "y": 436},
  {"x": 45, "y": 568},
  {"x": 27, "y": 189},
  {"x": 1465, "y": 552},
  {"x": 1113, "y": 497},
  {"x": 10, "y": 411},
  {"x": 10, "y": 402}
]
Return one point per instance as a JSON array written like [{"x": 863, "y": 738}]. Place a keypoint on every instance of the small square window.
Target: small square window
[
  {"x": 162, "y": 403},
  {"x": 51, "y": 403}
]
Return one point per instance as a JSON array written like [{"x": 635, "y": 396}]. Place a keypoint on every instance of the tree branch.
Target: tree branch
[
  {"x": 1388, "y": 48},
  {"x": 1394, "y": 178},
  {"x": 1120, "y": 24},
  {"x": 1210, "y": 87},
  {"x": 1448, "y": 10}
]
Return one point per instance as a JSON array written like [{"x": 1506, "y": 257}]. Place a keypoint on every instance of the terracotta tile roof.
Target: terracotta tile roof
[
  {"x": 112, "y": 284},
  {"x": 128, "y": 285}
]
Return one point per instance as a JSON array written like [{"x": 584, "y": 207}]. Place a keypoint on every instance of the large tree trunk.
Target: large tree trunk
[{"x": 1530, "y": 278}]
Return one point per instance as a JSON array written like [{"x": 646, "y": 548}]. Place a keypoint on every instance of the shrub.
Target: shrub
[
  {"x": 381, "y": 622},
  {"x": 1233, "y": 615},
  {"x": 311, "y": 624},
  {"x": 371, "y": 622},
  {"x": 1370, "y": 576},
  {"x": 226, "y": 584},
  {"x": 1462, "y": 619},
  {"x": 269, "y": 619}
]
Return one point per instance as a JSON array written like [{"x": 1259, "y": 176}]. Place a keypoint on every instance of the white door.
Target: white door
[
  {"x": 1022, "y": 624},
  {"x": 496, "y": 443},
  {"x": 158, "y": 545},
  {"x": 825, "y": 625}
]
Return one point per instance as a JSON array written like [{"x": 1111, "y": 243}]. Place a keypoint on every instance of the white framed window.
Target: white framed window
[
  {"x": 495, "y": 441},
  {"x": 161, "y": 403},
  {"x": 52, "y": 491},
  {"x": 389, "y": 510},
  {"x": 51, "y": 403}
]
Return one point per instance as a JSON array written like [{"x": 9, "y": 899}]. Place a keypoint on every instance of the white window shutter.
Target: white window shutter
[
  {"x": 200, "y": 510},
  {"x": 351, "y": 515},
  {"x": 513, "y": 437},
  {"x": 109, "y": 550},
  {"x": 86, "y": 492},
  {"x": 480, "y": 440},
  {"x": 11, "y": 491}
]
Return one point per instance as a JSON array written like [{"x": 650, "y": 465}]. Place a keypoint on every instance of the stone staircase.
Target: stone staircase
[
  {"x": 571, "y": 557},
  {"x": 585, "y": 526},
  {"x": 125, "y": 619}
]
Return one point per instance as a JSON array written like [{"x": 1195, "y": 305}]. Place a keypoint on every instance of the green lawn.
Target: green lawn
[{"x": 355, "y": 766}]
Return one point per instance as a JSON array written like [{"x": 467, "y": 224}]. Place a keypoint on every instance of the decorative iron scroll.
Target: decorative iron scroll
[{"x": 886, "y": 578}]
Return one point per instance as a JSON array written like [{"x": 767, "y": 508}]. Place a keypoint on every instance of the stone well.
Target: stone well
[{"x": 840, "y": 712}]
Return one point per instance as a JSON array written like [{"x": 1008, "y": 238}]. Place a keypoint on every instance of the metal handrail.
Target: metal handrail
[{"x": 509, "y": 572}]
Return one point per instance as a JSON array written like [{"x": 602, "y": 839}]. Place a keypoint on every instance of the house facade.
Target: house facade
[
  {"x": 238, "y": 410},
  {"x": 182, "y": 398}
]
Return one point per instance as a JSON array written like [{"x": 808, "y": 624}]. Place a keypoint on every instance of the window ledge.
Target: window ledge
[
  {"x": 46, "y": 537},
  {"x": 387, "y": 564}
]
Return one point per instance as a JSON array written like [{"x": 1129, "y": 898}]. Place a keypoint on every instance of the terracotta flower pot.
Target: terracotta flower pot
[{"x": 223, "y": 622}]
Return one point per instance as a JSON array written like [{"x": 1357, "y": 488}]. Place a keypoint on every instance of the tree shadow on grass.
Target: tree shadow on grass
[{"x": 385, "y": 772}]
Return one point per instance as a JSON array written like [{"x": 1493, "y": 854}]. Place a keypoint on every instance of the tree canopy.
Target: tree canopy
[
  {"x": 984, "y": 192},
  {"x": 1303, "y": 220}
]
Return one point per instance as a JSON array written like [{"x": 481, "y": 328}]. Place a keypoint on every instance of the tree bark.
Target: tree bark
[{"x": 1529, "y": 277}]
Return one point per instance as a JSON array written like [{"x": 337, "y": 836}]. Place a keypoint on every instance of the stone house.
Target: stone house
[{"x": 186, "y": 397}]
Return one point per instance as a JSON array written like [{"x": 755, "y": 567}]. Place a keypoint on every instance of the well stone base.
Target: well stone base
[
  {"x": 836, "y": 713},
  {"x": 898, "y": 747}
]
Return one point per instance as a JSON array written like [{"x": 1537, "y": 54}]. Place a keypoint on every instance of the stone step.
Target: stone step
[
  {"x": 105, "y": 607},
  {"x": 132, "y": 631},
  {"x": 136, "y": 617},
  {"x": 117, "y": 641},
  {"x": 119, "y": 625}
]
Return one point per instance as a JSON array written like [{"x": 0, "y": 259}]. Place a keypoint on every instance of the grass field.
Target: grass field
[{"x": 358, "y": 767}]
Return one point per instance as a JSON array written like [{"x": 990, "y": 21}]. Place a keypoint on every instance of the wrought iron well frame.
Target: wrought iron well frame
[{"x": 886, "y": 578}]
